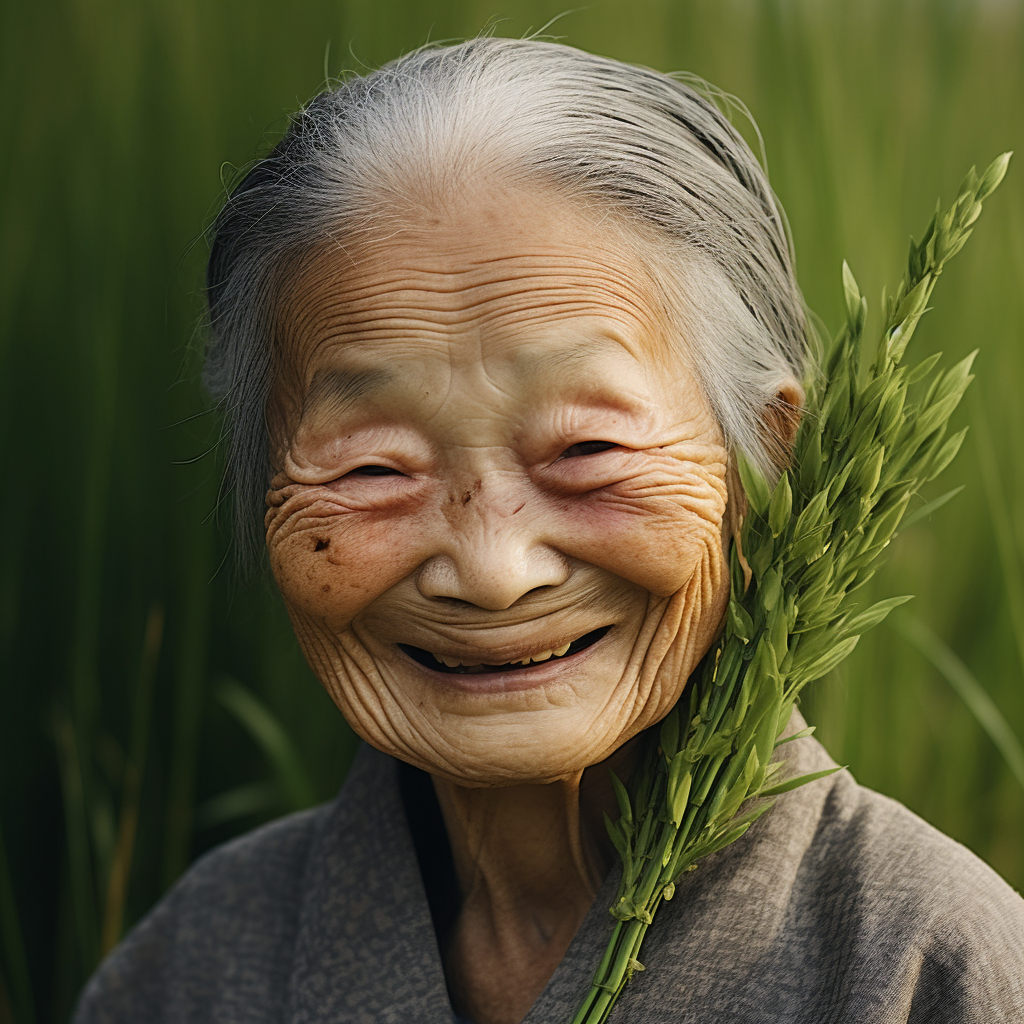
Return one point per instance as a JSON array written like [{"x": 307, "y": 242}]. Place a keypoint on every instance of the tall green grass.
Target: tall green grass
[{"x": 151, "y": 706}]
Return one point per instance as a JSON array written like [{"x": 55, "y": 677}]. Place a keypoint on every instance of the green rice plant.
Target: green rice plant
[
  {"x": 975, "y": 697},
  {"x": 1010, "y": 563},
  {"x": 867, "y": 444},
  {"x": 295, "y": 789},
  {"x": 116, "y": 887}
]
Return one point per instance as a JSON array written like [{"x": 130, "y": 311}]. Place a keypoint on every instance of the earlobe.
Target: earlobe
[{"x": 780, "y": 422}]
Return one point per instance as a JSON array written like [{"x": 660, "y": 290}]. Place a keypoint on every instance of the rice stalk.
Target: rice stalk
[
  {"x": 967, "y": 687},
  {"x": 1002, "y": 524},
  {"x": 78, "y": 838},
  {"x": 124, "y": 849},
  {"x": 868, "y": 442},
  {"x": 239, "y": 803},
  {"x": 189, "y": 698},
  {"x": 270, "y": 736}
]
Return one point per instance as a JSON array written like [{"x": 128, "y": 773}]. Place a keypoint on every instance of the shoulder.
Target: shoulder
[
  {"x": 237, "y": 905},
  {"x": 841, "y": 905},
  {"x": 888, "y": 849},
  {"x": 907, "y": 901},
  {"x": 256, "y": 871}
]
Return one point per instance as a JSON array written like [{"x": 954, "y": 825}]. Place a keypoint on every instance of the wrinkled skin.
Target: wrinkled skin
[
  {"x": 547, "y": 466},
  {"x": 494, "y": 348}
]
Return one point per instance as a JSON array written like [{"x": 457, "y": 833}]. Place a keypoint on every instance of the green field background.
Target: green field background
[{"x": 153, "y": 705}]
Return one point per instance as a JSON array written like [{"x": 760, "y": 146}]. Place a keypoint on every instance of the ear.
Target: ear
[{"x": 780, "y": 421}]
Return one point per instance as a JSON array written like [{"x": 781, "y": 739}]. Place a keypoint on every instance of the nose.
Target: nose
[{"x": 491, "y": 559}]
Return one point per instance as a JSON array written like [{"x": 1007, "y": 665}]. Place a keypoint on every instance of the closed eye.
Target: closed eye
[
  {"x": 587, "y": 448},
  {"x": 374, "y": 471}
]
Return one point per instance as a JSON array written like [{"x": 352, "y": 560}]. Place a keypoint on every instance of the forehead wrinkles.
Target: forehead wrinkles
[{"x": 408, "y": 289}]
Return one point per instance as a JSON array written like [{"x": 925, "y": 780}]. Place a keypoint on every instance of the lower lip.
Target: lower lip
[{"x": 511, "y": 680}]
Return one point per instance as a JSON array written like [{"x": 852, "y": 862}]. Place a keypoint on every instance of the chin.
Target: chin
[
  {"x": 528, "y": 754},
  {"x": 534, "y": 736}
]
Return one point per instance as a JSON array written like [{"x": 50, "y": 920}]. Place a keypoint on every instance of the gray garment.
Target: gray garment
[{"x": 838, "y": 907}]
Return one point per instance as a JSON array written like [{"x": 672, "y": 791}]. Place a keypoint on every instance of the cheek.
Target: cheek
[
  {"x": 656, "y": 542},
  {"x": 332, "y": 567}
]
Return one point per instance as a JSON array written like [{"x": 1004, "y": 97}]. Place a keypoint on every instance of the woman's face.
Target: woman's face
[{"x": 497, "y": 517}]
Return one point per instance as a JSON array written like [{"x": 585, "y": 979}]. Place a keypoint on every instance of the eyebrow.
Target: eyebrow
[
  {"x": 334, "y": 391},
  {"x": 567, "y": 357}
]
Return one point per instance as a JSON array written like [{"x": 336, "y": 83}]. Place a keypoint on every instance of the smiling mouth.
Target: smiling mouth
[{"x": 461, "y": 666}]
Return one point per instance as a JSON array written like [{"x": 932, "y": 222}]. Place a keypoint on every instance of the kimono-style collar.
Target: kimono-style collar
[{"x": 366, "y": 948}]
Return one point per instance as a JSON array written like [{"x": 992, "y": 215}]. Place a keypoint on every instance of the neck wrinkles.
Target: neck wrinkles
[{"x": 529, "y": 861}]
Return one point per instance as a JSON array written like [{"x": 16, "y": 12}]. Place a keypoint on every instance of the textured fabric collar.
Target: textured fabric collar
[{"x": 367, "y": 951}]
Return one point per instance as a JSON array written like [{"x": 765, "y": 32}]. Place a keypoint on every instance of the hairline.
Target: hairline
[{"x": 700, "y": 292}]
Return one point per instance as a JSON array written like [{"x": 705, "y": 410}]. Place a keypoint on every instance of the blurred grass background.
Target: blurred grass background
[{"x": 151, "y": 706}]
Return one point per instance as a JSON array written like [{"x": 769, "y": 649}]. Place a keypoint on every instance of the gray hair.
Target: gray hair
[{"x": 646, "y": 147}]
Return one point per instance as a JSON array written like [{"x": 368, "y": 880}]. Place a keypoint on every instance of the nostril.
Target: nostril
[
  {"x": 452, "y": 602},
  {"x": 321, "y": 544}
]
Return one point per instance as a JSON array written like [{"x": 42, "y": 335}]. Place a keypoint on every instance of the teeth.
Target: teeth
[
  {"x": 529, "y": 660},
  {"x": 455, "y": 662}
]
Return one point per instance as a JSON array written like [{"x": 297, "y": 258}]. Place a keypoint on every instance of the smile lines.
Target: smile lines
[{"x": 444, "y": 663}]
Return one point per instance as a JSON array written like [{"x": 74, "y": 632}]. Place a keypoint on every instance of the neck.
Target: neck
[{"x": 529, "y": 860}]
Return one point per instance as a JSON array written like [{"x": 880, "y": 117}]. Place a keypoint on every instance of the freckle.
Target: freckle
[
  {"x": 321, "y": 544},
  {"x": 467, "y": 497},
  {"x": 326, "y": 588}
]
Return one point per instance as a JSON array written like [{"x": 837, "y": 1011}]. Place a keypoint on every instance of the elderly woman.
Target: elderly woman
[{"x": 490, "y": 323}]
